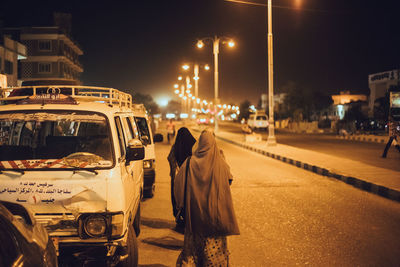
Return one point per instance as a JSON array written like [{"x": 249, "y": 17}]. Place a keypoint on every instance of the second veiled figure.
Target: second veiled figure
[
  {"x": 180, "y": 150},
  {"x": 202, "y": 187}
]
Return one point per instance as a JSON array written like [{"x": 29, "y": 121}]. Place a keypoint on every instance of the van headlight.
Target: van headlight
[
  {"x": 147, "y": 164},
  {"x": 99, "y": 225},
  {"x": 95, "y": 225}
]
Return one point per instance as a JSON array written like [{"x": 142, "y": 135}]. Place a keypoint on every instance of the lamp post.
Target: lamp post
[
  {"x": 196, "y": 68},
  {"x": 216, "y": 41},
  {"x": 271, "y": 128},
  {"x": 271, "y": 141}
]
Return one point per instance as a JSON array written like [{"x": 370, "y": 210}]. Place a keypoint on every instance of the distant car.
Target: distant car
[
  {"x": 204, "y": 119},
  {"x": 23, "y": 241},
  {"x": 258, "y": 121}
]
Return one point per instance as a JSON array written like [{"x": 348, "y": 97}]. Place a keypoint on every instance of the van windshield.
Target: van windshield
[
  {"x": 261, "y": 118},
  {"x": 40, "y": 139}
]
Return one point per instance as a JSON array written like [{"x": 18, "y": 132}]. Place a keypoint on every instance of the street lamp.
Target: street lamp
[
  {"x": 196, "y": 67},
  {"x": 271, "y": 128},
  {"x": 271, "y": 141},
  {"x": 216, "y": 41}
]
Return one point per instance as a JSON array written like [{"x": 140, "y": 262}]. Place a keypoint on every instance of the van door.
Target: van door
[
  {"x": 127, "y": 174},
  {"x": 135, "y": 167},
  {"x": 144, "y": 130}
]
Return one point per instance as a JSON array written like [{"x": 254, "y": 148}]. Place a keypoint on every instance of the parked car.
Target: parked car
[
  {"x": 24, "y": 242},
  {"x": 146, "y": 136},
  {"x": 258, "y": 121},
  {"x": 72, "y": 155},
  {"x": 370, "y": 126}
]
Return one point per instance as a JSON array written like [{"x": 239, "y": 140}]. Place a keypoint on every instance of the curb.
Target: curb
[
  {"x": 364, "y": 138},
  {"x": 379, "y": 190}
]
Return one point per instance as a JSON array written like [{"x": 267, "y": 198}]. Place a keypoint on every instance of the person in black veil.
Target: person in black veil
[{"x": 180, "y": 150}]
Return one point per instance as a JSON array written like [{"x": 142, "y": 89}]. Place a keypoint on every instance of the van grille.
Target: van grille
[{"x": 60, "y": 224}]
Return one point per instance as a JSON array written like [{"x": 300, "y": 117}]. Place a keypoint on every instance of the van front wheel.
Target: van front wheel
[
  {"x": 131, "y": 249},
  {"x": 136, "y": 222}
]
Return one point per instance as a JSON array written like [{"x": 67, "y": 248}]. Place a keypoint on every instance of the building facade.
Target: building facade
[
  {"x": 343, "y": 101},
  {"x": 52, "y": 53},
  {"x": 379, "y": 84},
  {"x": 10, "y": 52}
]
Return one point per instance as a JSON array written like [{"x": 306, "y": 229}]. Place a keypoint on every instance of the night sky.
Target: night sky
[{"x": 330, "y": 45}]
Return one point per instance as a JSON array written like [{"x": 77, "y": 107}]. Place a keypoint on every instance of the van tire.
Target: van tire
[
  {"x": 132, "y": 250},
  {"x": 136, "y": 222}
]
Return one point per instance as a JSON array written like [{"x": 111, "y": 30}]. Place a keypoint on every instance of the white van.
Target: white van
[
  {"x": 258, "y": 121},
  {"x": 148, "y": 140},
  {"x": 72, "y": 155}
]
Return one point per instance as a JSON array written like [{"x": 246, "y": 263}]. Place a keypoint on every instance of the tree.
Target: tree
[
  {"x": 147, "y": 101},
  {"x": 173, "y": 107},
  {"x": 354, "y": 113},
  {"x": 304, "y": 102},
  {"x": 244, "y": 110}
]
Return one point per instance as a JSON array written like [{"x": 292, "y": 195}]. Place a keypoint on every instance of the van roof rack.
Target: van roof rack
[{"x": 109, "y": 96}]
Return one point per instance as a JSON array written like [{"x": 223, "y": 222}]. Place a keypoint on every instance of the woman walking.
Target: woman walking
[
  {"x": 180, "y": 150},
  {"x": 202, "y": 188},
  {"x": 170, "y": 130}
]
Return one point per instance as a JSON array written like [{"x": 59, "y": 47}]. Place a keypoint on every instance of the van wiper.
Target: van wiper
[
  {"x": 87, "y": 170},
  {"x": 18, "y": 171}
]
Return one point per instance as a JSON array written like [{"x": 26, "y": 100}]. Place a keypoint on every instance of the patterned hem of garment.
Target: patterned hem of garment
[{"x": 204, "y": 251}]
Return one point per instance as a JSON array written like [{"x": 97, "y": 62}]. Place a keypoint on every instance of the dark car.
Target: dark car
[{"x": 23, "y": 241}]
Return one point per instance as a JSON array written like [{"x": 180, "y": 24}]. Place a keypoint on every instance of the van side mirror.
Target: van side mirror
[
  {"x": 158, "y": 137},
  {"x": 135, "y": 150}
]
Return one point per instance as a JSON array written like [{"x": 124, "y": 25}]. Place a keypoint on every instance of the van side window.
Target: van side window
[
  {"x": 142, "y": 127},
  {"x": 121, "y": 138},
  {"x": 131, "y": 133}
]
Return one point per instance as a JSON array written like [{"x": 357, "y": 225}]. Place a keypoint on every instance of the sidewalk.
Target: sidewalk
[{"x": 383, "y": 182}]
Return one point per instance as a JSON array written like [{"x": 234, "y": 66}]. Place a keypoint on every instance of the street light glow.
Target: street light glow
[
  {"x": 177, "y": 91},
  {"x": 206, "y": 67},
  {"x": 200, "y": 44},
  {"x": 176, "y": 85},
  {"x": 185, "y": 67},
  {"x": 231, "y": 43},
  {"x": 180, "y": 78}
]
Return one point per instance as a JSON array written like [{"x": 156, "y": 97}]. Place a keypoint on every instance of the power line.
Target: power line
[{"x": 281, "y": 7}]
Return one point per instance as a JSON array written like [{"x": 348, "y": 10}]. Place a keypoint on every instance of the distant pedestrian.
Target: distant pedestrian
[
  {"x": 180, "y": 150},
  {"x": 209, "y": 213},
  {"x": 170, "y": 130},
  {"x": 394, "y": 132}
]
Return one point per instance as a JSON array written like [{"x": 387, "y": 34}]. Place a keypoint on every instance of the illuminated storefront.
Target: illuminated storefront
[{"x": 379, "y": 84}]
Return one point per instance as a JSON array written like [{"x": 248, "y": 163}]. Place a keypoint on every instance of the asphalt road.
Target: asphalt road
[
  {"x": 287, "y": 217},
  {"x": 366, "y": 152}
]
